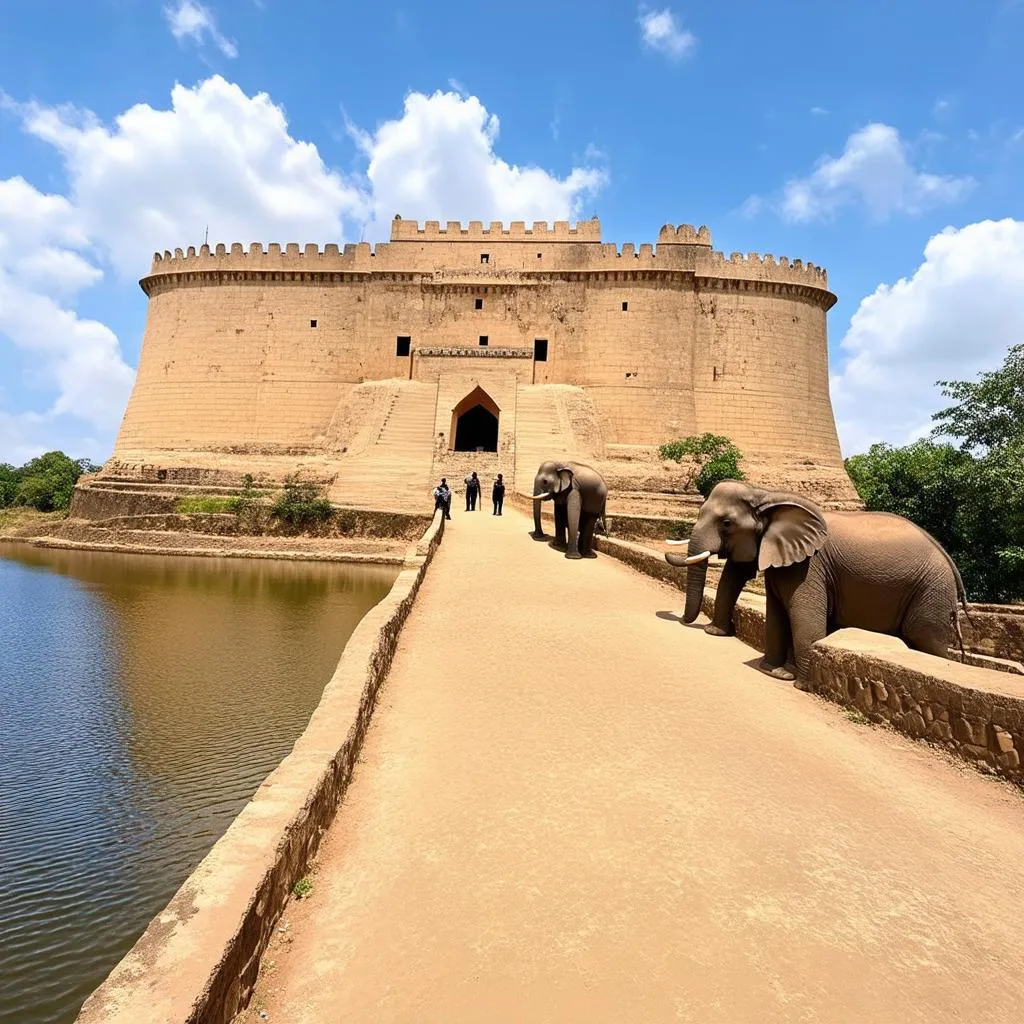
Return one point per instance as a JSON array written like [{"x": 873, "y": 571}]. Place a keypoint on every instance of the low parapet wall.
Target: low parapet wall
[
  {"x": 198, "y": 960},
  {"x": 975, "y": 713}
]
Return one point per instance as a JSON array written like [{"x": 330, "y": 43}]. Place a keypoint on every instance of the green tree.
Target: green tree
[
  {"x": 300, "y": 504},
  {"x": 973, "y": 506},
  {"x": 715, "y": 458},
  {"x": 47, "y": 482},
  {"x": 10, "y": 481},
  {"x": 989, "y": 412}
]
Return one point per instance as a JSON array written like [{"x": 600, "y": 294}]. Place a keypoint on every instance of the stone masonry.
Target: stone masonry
[{"x": 280, "y": 359}]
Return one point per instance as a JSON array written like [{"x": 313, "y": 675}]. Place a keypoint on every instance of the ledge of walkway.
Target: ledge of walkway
[
  {"x": 198, "y": 960},
  {"x": 974, "y": 712}
]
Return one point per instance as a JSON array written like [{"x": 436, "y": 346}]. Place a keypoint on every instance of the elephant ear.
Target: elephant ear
[
  {"x": 565, "y": 476},
  {"x": 795, "y": 528}
]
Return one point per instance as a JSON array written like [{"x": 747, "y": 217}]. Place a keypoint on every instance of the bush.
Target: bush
[
  {"x": 45, "y": 483},
  {"x": 300, "y": 505},
  {"x": 714, "y": 458}
]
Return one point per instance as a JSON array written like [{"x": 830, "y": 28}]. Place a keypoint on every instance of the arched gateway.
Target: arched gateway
[{"x": 475, "y": 423}]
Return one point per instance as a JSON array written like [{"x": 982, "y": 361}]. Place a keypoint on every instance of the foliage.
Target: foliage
[
  {"x": 300, "y": 505},
  {"x": 44, "y": 483},
  {"x": 248, "y": 506},
  {"x": 302, "y": 888},
  {"x": 990, "y": 411},
  {"x": 714, "y": 458},
  {"x": 204, "y": 503},
  {"x": 973, "y": 505}
]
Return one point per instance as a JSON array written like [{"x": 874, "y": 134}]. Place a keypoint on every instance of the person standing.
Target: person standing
[
  {"x": 472, "y": 491},
  {"x": 443, "y": 498},
  {"x": 498, "y": 495}
]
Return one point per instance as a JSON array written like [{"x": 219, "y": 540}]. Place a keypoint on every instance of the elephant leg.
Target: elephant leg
[
  {"x": 587, "y": 526},
  {"x": 927, "y": 629},
  {"x": 808, "y": 619},
  {"x": 561, "y": 527},
  {"x": 574, "y": 508},
  {"x": 777, "y": 637},
  {"x": 735, "y": 576}
]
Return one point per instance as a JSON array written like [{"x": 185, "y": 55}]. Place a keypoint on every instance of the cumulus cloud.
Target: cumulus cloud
[
  {"x": 954, "y": 317},
  {"x": 437, "y": 162},
  {"x": 217, "y": 158},
  {"x": 190, "y": 20},
  {"x": 875, "y": 170},
  {"x": 662, "y": 32}
]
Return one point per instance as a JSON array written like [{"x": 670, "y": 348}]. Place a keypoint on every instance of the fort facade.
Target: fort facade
[{"x": 378, "y": 369}]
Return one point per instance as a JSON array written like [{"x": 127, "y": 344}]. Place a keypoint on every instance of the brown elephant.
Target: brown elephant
[
  {"x": 579, "y": 494},
  {"x": 823, "y": 571}
]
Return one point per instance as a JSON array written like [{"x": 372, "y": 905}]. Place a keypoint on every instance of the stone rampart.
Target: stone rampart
[{"x": 198, "y": 960}]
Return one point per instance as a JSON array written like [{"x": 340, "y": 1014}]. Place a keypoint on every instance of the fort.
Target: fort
[{"x": 376, "y": 370}]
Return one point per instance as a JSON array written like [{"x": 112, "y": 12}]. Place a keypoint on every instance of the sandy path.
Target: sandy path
[{"x": 572, "y": 810}]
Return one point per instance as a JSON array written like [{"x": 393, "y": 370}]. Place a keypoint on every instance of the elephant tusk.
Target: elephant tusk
[
  {"x": 541, "y": 497},
  {"x": 694, "y": 559},
  {"x": 669, "y": 540}
]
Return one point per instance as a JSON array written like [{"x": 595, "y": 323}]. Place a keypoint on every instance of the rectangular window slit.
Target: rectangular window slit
[
  {"x": 478, "y": 303},
  {"x": 403, "y": 345},
  {"x": 540, "y": 350},
  {"x": 483, "y": 340},
  {"x": 312, "y": 323},
  {"x": 625, "y": 307},
  {"x": 485, "y": 258}
]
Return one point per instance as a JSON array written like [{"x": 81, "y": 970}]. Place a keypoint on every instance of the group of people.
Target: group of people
[{"x": 474, "y": 487}]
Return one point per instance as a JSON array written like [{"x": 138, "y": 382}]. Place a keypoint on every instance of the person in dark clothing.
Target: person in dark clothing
[
  {"x": 472, "y": 491},
  {"x": 443, "y": 498},
  {"x": 498, "y": 495}
]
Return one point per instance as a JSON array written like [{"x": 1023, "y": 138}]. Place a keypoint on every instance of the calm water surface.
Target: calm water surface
[{"x": 142, "y": 701}]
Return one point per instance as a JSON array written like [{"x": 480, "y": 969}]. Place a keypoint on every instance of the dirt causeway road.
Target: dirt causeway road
[{"x": 570, "y": 809}]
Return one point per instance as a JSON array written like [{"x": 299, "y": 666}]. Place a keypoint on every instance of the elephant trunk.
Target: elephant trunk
[
  {"x": 538, "y": 532},
  {"x": 703, "y": 544},
  {"x": 695, "y": 576}
]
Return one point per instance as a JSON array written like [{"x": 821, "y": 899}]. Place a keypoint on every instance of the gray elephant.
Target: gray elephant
[
  {"x": 580, "y": 494},
  {"x": 823, "y": 571}
]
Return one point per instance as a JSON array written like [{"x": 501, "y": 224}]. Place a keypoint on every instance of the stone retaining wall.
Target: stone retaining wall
[
  {"x": 976, "y": 713},
  {"x": 198, "y": 960}
]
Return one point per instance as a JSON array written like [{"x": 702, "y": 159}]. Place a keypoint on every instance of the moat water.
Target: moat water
[{"x": 142, "y": 701}]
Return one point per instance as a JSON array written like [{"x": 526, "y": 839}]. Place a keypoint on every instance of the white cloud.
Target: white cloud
[
  {"x": 191, "y": 20},
  {"x": 875, "y": 170},
  {"x": 438, "y": 162},
  {"x": 219, "y": 158},
  {"x": 819, "y": 111},
  {"x": 661, "y": 31},
  {"x": 954, "y": 317},
  {"x": 155, "y": 179}
]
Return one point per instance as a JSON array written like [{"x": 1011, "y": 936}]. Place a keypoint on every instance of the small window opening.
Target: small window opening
[
  {"x": 485, "y": 258},
  {"x": 625, "y": 307},
  {"x": 403, "y": 345},
  {"x": 478, "y": 303},
  {"x": 483, "y": 340},
  {"x": 539, "y": 255},
  {"x": 312, "y": 323},
  {"x": 540, "y": 350}
]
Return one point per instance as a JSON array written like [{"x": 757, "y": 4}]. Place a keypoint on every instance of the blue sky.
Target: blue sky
[{"x": 884, "y": 141}]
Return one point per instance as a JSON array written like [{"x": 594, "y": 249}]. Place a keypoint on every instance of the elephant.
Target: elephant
[
  {"x": 579, "y": 493},
  {"x": 823, "y": 571}
]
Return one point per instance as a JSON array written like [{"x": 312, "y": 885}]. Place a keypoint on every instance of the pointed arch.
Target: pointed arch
[{"x": 475, "y": 423}]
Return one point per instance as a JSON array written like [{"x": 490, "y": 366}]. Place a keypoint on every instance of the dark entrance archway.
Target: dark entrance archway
[{"x": 475, "y": 423}]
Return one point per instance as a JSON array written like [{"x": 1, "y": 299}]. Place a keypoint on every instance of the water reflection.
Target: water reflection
[{"x": 142, "y": 701}]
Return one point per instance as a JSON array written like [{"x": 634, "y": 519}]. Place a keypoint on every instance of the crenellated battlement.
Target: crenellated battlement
[
  {"x": 516, "y": 231},
  {"x": 684, "y": 234},
  {"x": 274, "y": 256},
  {"x": 683, "y": 249}
]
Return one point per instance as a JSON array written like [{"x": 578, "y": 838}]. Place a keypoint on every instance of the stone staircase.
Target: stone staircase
[
  {"x": 542, "y": 433},
  {"x": 393, "y": 471}
]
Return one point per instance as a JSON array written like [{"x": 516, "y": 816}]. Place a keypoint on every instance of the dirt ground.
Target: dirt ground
[{"x": 571, "y": 807}]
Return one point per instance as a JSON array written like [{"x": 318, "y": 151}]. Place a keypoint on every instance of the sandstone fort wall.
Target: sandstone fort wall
[{"x": 259, "y": 345}]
